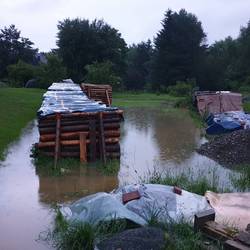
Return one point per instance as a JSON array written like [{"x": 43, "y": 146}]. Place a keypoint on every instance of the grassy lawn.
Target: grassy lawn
[
  {"x": 18, "y": 107},
  {"x": 127, "y": 100}
]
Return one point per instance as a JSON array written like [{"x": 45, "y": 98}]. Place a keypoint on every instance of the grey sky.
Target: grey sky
[{"x": 137, "y": 20}]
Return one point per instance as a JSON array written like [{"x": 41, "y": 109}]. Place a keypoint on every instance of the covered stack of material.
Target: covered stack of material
[
  {"x": 72, "y": 125},
  {"x": 217, "y": 102},
  {"x": 98, "y": 92}
]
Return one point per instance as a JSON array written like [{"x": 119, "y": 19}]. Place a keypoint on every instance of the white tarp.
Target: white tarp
[{"x": 156, "y": 200}]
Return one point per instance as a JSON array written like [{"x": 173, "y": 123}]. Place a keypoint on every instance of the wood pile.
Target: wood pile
[
  {"x": 98, "y": 92},
  {"x": 88, "y": 130}
]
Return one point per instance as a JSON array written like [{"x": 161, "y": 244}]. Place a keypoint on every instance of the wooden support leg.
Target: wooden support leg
[
  {"x": 92, "y": 138},
  {"x": 102, "y": 139},
  {"x": 57, "y": 141},
  {"x": 83, "y": 151}
]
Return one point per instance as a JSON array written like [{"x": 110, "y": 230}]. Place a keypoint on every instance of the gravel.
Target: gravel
[{"x": 229, "y": 149}]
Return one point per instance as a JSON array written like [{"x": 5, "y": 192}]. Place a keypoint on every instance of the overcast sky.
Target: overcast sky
[{"x": 137, "y": 20}]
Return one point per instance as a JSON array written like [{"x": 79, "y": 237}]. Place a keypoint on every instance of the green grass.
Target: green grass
[
  {"x": 128, "y": 100},
  {"x": 18, "y": 107},
  {"x": 45, "y": 165}
]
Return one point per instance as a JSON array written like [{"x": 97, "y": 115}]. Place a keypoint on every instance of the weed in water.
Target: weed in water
[
  {"x": 199, "y": 184},
  {"x": 243, "y": 181}
]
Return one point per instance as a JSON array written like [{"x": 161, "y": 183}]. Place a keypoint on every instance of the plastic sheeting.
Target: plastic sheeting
[
  {"x": 156, "y": 200},
  {"x": 227, "y": 121},
  {"x": 67, "y": 98},
  {"x": 231, "y": 209}
]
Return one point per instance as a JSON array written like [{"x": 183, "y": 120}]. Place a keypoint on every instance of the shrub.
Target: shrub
[
  {"x": 180, "y": 89},
  {"x": 20, "y": 73},
  {"x": 102, "y": 73}
]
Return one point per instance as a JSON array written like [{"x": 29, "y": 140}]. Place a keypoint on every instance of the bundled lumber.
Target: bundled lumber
[
  {"x": 98, "y": 92},
  {"x": 72, "y": 125}
]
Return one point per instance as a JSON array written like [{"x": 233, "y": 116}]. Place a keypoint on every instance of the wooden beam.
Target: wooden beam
[
  {"x": 83, "y": 151},
  {"x": 101, "y": 139},
  {"x": 57, "y": 140},
  {"x": 92, "y": 138}
]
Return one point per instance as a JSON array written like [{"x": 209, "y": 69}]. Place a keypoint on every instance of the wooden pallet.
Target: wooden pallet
[{"x": 205, "y": 223}]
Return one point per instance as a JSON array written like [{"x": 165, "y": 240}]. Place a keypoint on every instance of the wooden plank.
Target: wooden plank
[
  {"x": 83, "y": 151},
  {"x": 73, "y": 142},
  {"x": 101, "y": 139},
  {"x": 107, "y": 97},
  {"x": 57, "y": 140},
  {"x": 92, "y": 138},
  {"x": 234, "y": 245},
  {"x": 75, "y": 135},
  {"x": 217, "y": 231}
]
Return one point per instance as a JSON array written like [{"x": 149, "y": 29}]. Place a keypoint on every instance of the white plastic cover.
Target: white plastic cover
[{"x": 156, "y": 200}]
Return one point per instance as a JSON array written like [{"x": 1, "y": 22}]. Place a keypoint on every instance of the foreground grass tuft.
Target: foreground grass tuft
[{"x": 18, "y": 107}]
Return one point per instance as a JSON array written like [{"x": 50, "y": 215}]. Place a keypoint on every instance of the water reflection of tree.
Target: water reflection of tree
[
  {"x": 175, "y": 133},
  {"x": 140, "y": 118}
]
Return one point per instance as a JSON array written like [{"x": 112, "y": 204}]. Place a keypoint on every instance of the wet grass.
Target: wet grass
[
  {"x": 18, "y": 107},
  {"x": 78, "y": 235},
  {"x": 242, "y": 183},
  {"x": 199, "y": 184},
  {"x": 128, "y": 100},
  {"x": 45, "y": 165}
]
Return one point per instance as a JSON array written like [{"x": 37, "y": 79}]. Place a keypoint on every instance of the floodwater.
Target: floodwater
[{"x": 151, "y": 141}]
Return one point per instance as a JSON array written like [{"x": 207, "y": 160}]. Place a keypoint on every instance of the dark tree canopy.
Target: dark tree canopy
[
  {"x": 81, "y": 43},
  {"x": 13, "y": 47},
  {"x": 138, "y": 65},
  {"x": 179, "y": 48}
]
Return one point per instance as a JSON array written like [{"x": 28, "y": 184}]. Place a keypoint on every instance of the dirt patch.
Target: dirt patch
[{"x": 229, "y": 149}]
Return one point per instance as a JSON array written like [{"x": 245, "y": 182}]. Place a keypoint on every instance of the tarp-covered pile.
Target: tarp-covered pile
[
  {"x": 218, "y": 102},
  {"x": 161, "y": 203},
  {"x": 227, "y": 122},
  {"x": 155, "y": 200},
  {"x": 70, "y": 124}
]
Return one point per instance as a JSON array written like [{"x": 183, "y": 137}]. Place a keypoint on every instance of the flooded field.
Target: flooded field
[{"x": 152, "y": 140}]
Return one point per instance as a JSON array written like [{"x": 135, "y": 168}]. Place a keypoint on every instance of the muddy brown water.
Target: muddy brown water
[{"x": 152, "y": 140}]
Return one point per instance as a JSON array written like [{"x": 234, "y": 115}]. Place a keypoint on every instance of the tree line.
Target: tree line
[{"x": 178, "y": 58}]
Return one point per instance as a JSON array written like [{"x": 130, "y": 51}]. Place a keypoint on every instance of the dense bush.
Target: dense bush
[
  {"x": 180, "y": 89},
  {"x": 20, "y": 73},
  {"x": 44, "y": 74}
]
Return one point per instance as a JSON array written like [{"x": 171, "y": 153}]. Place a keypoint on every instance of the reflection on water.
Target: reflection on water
[{"x": 151, "y": 140}]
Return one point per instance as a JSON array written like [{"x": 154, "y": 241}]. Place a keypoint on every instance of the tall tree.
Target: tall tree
[
  {"x": 138, "y": 65},
  {"x": 221, "y": 68},
  {"x": 13, "y": 47},
  {"x": 179, "y": 48},
  {"x": 81, "y": 43}
]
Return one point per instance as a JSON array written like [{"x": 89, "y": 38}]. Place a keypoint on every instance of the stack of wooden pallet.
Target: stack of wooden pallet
[
  {"x": 71, "y": 125},
  {"x": 98, "y": 92}
]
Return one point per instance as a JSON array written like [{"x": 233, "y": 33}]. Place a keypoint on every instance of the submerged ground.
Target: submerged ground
[{"x": 157, "y": 141}]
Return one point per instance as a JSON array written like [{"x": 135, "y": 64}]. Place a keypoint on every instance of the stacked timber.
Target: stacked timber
[
  {"x": 72, "y": 125},
  {"x": 98, "y": 92}
]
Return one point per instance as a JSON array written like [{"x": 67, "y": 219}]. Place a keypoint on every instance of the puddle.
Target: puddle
[{"x": 151, "y": 141}]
